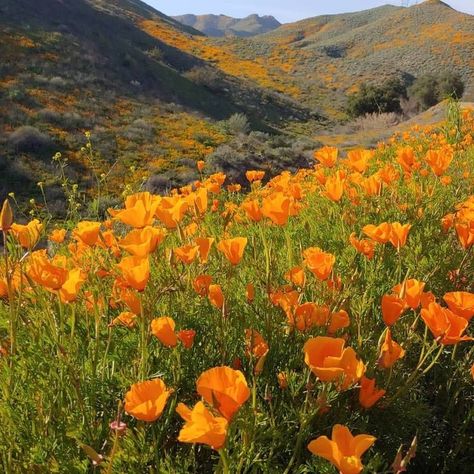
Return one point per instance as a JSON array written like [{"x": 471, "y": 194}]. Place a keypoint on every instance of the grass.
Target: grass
[{"x": 67, "y": 364}]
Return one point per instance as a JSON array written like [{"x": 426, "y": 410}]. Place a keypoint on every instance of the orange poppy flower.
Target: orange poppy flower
[
  {"x": 276, "y": 207},
  {"x": 390, "y": 351},
  {"x": 406, "y": 158},
  {"x": 253, "y": 175},
  {"x": 296, "y": 276},
  {"x": 464, "y": 231},
  {"x": 126, "y": 318},
  {"x": 252, "y": 210},
  {"x": 200, "y": 201},
  {"x": 445, "y": 326},
  {"x": 163, "y": 329},
  {"x": 87, "y": 232},
  {"x": 358, "y": 160},
  {"x": 43, "y": 272},
  {"x": 186, "y": 336},
  {"x": 344, "y": 450},
  {"x": 399, "y": 234},
  {"x": 200, "y": 165},
  {"x": 135, "y": 271},
  {"x": 186, "y": 253},
  {"x": 318, "y": 262},
  {"x": 142, "y": 242},
  {"x": 171, "y": 210},
  {"x": 460, "y": 303},
  {"x": 202, "y": 426},
  {"x": 410, "y": 291},
  {"x": 146, "y": 400},
  {"x": 308, "y": 315},
  {"x": 363, "y": 246},
  {"x": 331, "y": 362},
  {"x": 139, "y": 210},
  {"x": 380, "y": 233},
  {"x": 204, "y": 244},
  {"x": 215, "y": 295},
  {"x": 338, "y": 320},
  {"x": 369, "y": 395},
  {"x": 439, "y": 160},
  {"x": 334, "y": 187},
  {"x": 392, "y": 308},
  {"x": 27, "y": 235},
  {"x": 201, "y": 284},
  {"x": 57, "y": 236},
  {"x": 327, "y": 156},
  {"x": 233, "y": 249},
  {"x": 426, "y": 298},
  {"x": 131, "y": 300},
  {"x": 223, "y": 388},
  {"x": 255, "y": 344},
  {"x": 282, "y": 380},
  {"x": 70, "y": 289}
]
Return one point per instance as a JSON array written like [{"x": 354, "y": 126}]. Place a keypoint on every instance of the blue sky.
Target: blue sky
[{"x": 283, "y": 10}]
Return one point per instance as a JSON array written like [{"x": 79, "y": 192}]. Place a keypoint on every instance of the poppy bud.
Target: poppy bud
[{"x": 6, "y": 216}]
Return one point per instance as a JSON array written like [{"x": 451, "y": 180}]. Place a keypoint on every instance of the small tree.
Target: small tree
[{"x": 372, "y": 98}]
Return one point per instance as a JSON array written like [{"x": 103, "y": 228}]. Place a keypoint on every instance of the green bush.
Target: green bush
[
  {"x": 379, "y": 99},
  {"x": 429, "y": 90}
]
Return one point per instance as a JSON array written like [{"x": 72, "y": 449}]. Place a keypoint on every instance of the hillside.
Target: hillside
[
  {"x": 329, "y": 56},
  {"x": 222, "y": 25},
  {"x": 78, "y": 65}
]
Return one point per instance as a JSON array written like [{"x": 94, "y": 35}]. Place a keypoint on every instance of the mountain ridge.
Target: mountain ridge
[{"x": 223, "y": 25}]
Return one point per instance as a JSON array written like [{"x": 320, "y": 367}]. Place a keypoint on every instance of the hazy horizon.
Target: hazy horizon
[{"x": 282, "y": 10}]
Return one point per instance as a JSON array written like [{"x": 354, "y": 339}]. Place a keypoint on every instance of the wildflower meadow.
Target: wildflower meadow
[{"x": 315, "y": 322}]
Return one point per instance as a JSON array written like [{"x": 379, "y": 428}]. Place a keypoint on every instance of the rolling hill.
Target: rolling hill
[
  {"x": 222, "y": 25},
  {"x": 329, "y": 56},
  {"x": 75, "y": 65}
]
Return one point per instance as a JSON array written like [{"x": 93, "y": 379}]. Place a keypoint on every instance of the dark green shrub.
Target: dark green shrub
[{"x": 379, "y": 99}]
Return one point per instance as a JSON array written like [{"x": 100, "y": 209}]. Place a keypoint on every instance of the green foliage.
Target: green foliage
[
  {"x": 379, "y": 99},
  {"x": 430, "y": 89}
]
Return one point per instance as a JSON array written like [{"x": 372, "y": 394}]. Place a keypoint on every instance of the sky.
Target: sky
[{"x": 284, "y": 10}]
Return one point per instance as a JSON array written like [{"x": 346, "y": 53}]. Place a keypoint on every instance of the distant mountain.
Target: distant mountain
[{"x": 222, "y": 25}]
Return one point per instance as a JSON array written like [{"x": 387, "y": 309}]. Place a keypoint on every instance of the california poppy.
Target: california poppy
[
  {"x": 445, "y": 326},
  {"x": 135, "y": 271},
  {"x": 146, "y": 400},
  {"x": 334, "y": 187},
  {"x": 163, "y": 329},
  {"x": 344, "y": 450},
  {"x": 380, "y": 233},
  {"x": 327, "y": 156},
  {"x": 224, "y": 388},
  {"x": 318, "y": 262},
  {"x": 255, "y": 344},
  {"x": 410, "y": 291},
  {"x": 277, "y": 208},
  {"x": 399, "y": 234},
  {"x": 186, "y": 253},
  {"x": 27, "y": 235},
  {"x": 139, "y": 210},
  {"x": 215, "y": 295},
  {"x": 186, "y": 336},
  {"x": 363, "y": 246},
  {"x": 87, "y": 232},
  {"x": 392, "y": 308},
  {"x": 369, "y": 395},
  {"x": 201, "y": 426},
  {"x": 331, "y": 362},
  {"x": 142, "y": 242},
  {"x": 460, "y": 303},
  {"x": 201, "y": 284},
  {"x": 233, "y": 249},
  {"x": 57, "y": 236},
  {"x": 204, "y": 244},
  {"x": 390, "y": 351}
]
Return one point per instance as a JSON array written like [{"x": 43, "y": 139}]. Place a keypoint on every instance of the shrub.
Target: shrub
[
  {"x": 30, "y": 139},
  {"x": 429, "y": 90},
  {"x": 205, "y": 76},
  {"x": 379, "y": 99},
  {"x": 237, "y": 124}
]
